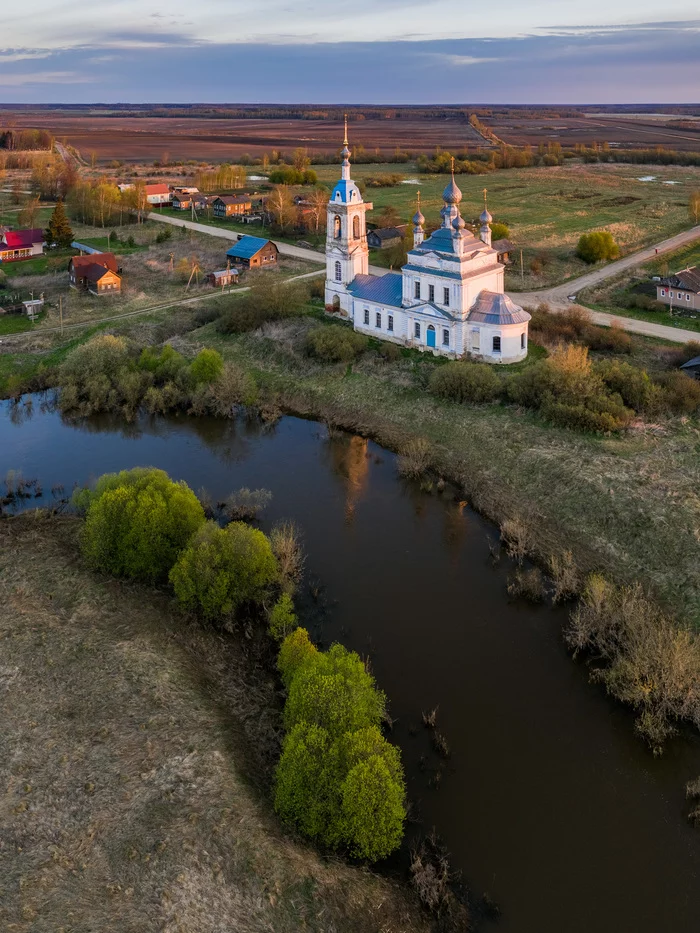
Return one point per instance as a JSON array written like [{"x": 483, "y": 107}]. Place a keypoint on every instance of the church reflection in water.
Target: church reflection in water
[{"x": 349, "y": 459}]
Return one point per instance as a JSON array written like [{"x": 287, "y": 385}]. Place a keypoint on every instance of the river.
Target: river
[{"x": 548, "y": 802}]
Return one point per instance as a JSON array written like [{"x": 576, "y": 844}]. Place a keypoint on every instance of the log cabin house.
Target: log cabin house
[
  {"x": 229, "y": 205},
  {"x": 98, "y": 273}
]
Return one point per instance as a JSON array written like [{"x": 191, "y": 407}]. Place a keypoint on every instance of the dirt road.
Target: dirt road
[{"x": 557, "y": 297}]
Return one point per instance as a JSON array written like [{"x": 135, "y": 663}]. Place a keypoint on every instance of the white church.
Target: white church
[{"x": 447, "y": 299}]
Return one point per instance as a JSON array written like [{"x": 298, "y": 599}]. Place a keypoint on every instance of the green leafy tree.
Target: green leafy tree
[
  {"x": 597, "y": 246},
  {"x": 206, "y": 367},
  {"x": 282, "y": 619},
  {"x": 223, "y": 568},
  {"x": 499, "y": 231},
  {"x": 348, "y": 793},
  {"x": 137, "y": 523},
  {"x": 59, "y": 229},
  {"x": 296, "y": 650},
  {"x": 335, "y": 691},
  {"x": 305, "y": 792},
  {"x": 372, "y": 810}
]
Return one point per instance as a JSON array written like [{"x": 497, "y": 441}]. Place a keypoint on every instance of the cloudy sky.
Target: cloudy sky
[{"x": 366, "y": 51}]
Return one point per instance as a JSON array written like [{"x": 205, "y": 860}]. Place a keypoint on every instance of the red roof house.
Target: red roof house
[
  {"x": 158, "y": 194},
  {"x": 21, "y": 244}
]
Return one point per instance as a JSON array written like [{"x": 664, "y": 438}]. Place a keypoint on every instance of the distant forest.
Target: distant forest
[
  {"x": 21, "y": 140},
  {"x": 355, "y": 112}
]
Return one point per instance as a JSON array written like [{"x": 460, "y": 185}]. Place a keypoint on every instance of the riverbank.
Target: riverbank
[
  {"x": 627, "y": 505},
  {"x": 136, "y": 763}
]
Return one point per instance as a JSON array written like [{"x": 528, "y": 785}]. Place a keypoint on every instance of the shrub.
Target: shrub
[
  {"x": 223, "y": 568},
  {"x": 335, "y": 691},
  {"x": 336, "y": 344},
  {"x": 165, "y": 364},
  {"x": 597, "y": 246},
  {"x": 286, "y": 547},
  {"x": 296, "y": 650},
  {"x": 282, "y": 620},
  {"x": 499, "y": 231},
  {"x": 137, "y": 523},
  {"x": 268, "y": 300},
  {"x": 631, "y": 383},
  {"x": 206, "y": 367},
  {"x": 246, "y": 504},
  {"x": 345, "y": 793},
  {"x": 466, "y": 382},
  {"x": 414, "y": 457},
  {"x": 681, "y": 393},
  {"x": 651, "y": 663}
]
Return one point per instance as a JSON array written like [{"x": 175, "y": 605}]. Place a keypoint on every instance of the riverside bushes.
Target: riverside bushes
[
  {"x": 137, "y": 523},
  {"x": 651, "y": 663},
  {"x": 339, "y": 782},
  {"x": 107, "y": 374},
  {"x": 223, "y": 568}
]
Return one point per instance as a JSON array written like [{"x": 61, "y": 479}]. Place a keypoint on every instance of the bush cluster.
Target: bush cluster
[
  {"x": 466, "y": 382},
  {"x": 336, "y": 344},
  {"x": 137, "y": 523},
  {"x": 268, "y": 300},
  {"x": 339, "y": 782},
  {"x": 597, "y": 246},
  {"x": 574, "y": 326},
  {"x": 651, "y": 663},
  {"x": 222, "y": 569},
  {"x": 288, "y": 175},
  {"x": 107, "y": 374}
]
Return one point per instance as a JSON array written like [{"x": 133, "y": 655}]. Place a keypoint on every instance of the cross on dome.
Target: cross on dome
[{"x": 418, "y": 218}]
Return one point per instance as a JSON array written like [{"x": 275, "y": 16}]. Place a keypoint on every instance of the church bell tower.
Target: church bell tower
[{"x": 347, "y": 253}]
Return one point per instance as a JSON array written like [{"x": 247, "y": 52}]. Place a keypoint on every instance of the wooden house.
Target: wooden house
[
  {"x": 223, "y": 278},
  {"x": 97, "y": 273},
  {"x": 21, "y": 244},
  {"x": 385, "y": 237},
  {"x": 505, "y": 250},
  {"x": 253, "y": 252},
  {"x": 229, "y": 205}
]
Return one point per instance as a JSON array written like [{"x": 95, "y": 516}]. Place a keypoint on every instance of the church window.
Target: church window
[
  {"x": 445, "y": 337},
  {"x": 475, "y": 338},
  {"x": 337, "y": 227},
  {"x": 378, "y": 320},
  {"x": 338, "y": 272},
  {"x": 416, "y": 330},
  {"x": 496, "y": 344},
  {"x": 416, "y": 289},
  {"x": 431, "y": 293},
  {"x": 446, "y": 296},
  {"x": 356, "y": 227},
  {"x": 367, "y": 316},
  {"x": 390, "y": 322},
  {"x": 522, "y": 341}
]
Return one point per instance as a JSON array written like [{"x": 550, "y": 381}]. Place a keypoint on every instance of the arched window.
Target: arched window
[
  {"x": 496, "y": 344},
  {"x": 356, "y": 227},
  {"x": 337, "y": 227},
  {"x": 338, "y": 272}
]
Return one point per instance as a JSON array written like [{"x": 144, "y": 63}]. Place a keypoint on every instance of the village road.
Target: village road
[{"x": 558, "y": 297}]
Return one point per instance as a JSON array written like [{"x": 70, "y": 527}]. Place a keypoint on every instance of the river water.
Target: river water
[{"x": 548, "y": 801}]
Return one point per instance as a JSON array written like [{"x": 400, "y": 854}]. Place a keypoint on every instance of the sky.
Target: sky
[{"x": 366, "y": 51}]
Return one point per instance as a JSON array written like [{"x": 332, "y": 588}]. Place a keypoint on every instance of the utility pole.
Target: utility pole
[
  {"x": 60, "y": 311},
  {"x": 522, "y": 267}
]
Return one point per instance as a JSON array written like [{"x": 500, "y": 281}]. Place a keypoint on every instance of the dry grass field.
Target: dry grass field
[
  {"x": 146, "y": 138},
  {"x": 134, "y": 758}
]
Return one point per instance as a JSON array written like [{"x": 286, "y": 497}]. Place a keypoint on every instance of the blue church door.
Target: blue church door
[{"x": 431, "y": 335}]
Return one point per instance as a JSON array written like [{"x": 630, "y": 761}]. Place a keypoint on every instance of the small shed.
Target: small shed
[
  {"x": 223, "y": 278},
  {"x": 385, "y": 237},
  {"x": 505, "y": 249},
  {"x": 253, "y": 252},
  {"x": 33, "y": 307}
]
